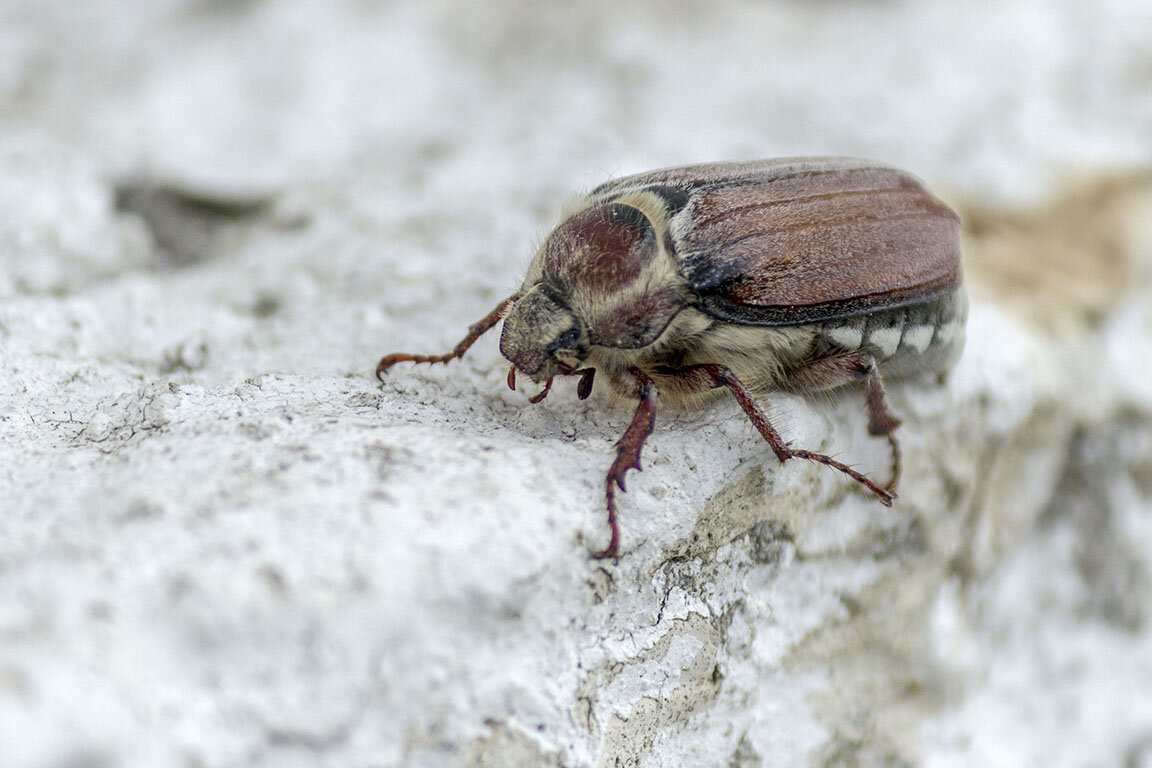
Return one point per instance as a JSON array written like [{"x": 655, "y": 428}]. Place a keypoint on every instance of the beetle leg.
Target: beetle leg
[
  {"x": 724, "y": 377},
  {"x": 475, "y": 331},
  {"x": 881, "y": 421},
  {"x": 897, "y": 465},
  {"x": 835, "y": 371},
  {"x": 628, "y": 454}
]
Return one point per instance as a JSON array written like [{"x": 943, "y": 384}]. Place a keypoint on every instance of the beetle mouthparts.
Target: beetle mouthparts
[
  {"x": 542, "y": 393},
  {"x": 531, "y": 325}
]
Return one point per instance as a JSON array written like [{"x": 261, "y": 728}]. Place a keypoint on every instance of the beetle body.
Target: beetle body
[{"x": 798, "y": 275}]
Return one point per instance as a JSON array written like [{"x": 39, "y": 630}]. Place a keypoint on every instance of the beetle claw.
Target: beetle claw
[
  {"x": 387, "y": 362},
  {"x": 512, "y": 378}
]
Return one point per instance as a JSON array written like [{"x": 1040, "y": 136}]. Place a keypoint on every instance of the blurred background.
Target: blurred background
[
  {"x": 413, "y": 113},
  {"x": 997, "y": 100},
  {"x": 208, "y": 191}
]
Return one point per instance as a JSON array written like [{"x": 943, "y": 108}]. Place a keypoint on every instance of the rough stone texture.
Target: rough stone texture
[{"x": 223, "y": 544}]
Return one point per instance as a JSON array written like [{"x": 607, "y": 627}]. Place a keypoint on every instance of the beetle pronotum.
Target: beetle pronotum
[{"x": 796, "y": 275}]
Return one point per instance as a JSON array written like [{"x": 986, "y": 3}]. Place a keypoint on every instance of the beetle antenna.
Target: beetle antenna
[{"x": 475, "y": 331}]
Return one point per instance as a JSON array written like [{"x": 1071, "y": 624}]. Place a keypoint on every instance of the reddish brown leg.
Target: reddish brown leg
[
  {"x": 475, "y": 331},
  {"x": 836, "y": 371},
  {"x": 725, "y": 377},
  {"x": 628, "y": 454},
  {"x": 881, "y": 421},
  {"x": 894, "y": 448}
]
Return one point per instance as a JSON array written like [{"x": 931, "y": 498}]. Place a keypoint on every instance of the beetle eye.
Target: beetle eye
[{"x": 570, "y": 339}]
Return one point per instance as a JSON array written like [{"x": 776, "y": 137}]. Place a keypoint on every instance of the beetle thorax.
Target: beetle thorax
[{"x": 758, "y": 355}]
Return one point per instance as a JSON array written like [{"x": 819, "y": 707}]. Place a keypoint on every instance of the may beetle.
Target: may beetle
[{"x": 796, "y": 275}]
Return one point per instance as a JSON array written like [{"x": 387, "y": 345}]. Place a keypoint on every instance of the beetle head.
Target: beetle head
[{"x": 542, "y": 336}]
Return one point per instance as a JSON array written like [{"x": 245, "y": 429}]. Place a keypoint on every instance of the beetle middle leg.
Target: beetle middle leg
[
  {"x": 722, "y": 376},
  {"x": 838, "y": 370},
  {"x": 475, "y": 331}
]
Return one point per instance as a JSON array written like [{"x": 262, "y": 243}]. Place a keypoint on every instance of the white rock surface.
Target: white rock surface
[{"x": 223, "y": 544}]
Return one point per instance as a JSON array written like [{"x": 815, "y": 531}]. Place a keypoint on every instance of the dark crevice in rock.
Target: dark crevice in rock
[{"x": 186, "y": 223}]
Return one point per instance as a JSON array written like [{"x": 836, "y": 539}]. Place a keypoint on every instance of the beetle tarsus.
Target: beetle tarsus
[
  {"x": 614, "y": 542},
  {"x": 897, "y": 465},
  {"x": 882, "y": 494},
  {"x": 783, "y": 451},
  {"x": 838, "y": 370},
  {"x": 628, "y": 450},
  {"x": 388, "y": 361}
]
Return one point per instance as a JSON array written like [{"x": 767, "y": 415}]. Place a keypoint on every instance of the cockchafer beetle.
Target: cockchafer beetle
[{"x": 797, "y": 275}]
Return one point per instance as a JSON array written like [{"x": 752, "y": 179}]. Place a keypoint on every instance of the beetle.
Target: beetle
[{"x": 797, "y": 275}]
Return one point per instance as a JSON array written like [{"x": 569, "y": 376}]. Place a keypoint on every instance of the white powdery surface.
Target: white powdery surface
[{"x": 223, "y": 543}]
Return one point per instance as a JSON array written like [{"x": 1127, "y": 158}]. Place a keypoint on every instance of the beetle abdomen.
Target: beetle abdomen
[{"x": 926, "y": 336}]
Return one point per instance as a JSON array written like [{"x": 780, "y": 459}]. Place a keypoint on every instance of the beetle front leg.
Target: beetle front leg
[
  {"x": 724, "y": 377},
  {"x": 475, "y": 331},
  {"x": 628, "y": 453}
]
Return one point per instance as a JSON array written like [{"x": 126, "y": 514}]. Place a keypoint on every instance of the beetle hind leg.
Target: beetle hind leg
[
  {"x": 475, "y": 331},
  {"x": 722, "y": 376},
  {"x": 881, "y": 421}
]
